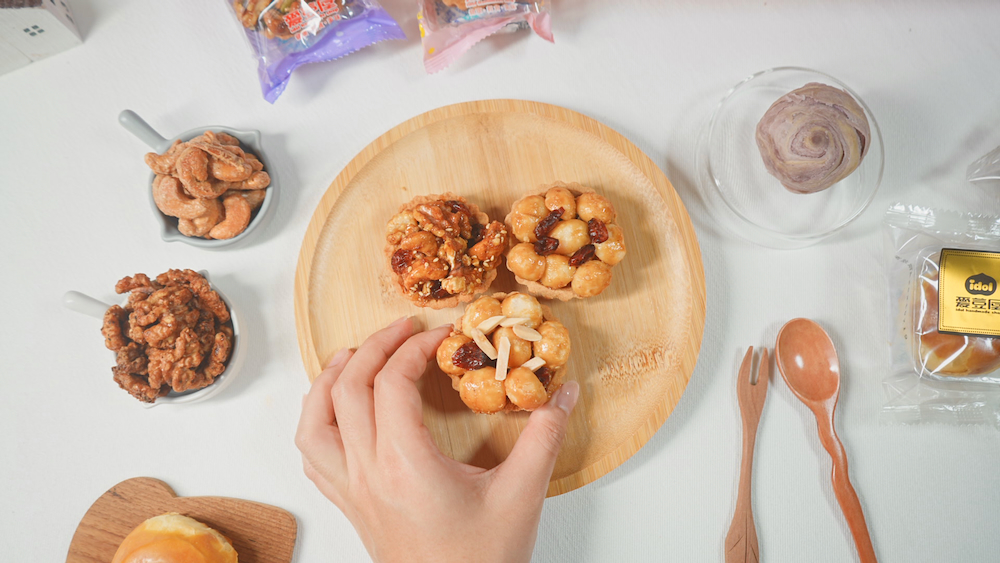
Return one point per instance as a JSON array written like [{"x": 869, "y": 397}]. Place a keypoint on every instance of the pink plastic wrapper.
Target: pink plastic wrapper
[
  {"x": 286, "y": 34},
  {"x": 448, "y": 28}
]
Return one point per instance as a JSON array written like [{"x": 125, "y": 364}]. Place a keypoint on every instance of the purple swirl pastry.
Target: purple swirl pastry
[{"x": 813, "y": 137}]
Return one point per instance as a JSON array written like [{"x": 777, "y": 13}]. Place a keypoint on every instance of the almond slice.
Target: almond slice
[
  {"x": 511, "y": 321},
  {"x": 491, "y": 323},
  {"x": 534, "y": 363},
  {"x": 484, "y": 344},
  {"x": 503, "y": 356},
  {"x": 527, "y": 333}
]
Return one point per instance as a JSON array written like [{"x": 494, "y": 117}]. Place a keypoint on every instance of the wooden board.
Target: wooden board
[
  {"x": 260, "y": 533},
  {"x": 634, "y": 346}
]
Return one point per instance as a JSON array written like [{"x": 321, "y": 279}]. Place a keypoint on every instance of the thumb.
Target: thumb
[{"x": 529, "y": 466}]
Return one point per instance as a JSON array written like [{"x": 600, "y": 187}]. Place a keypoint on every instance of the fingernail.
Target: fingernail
[
  {"x": 338, "y": 358},
  {"x": 445, "y": 325},
  {"x": 567, "y": 396},
  {"x": 399, "y": 321}
]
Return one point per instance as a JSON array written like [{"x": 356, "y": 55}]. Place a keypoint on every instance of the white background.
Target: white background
[{"x": 74, "y": 215}]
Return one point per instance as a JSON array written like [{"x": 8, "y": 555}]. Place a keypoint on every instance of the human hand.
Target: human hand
[{"x": 365, "y": 447}]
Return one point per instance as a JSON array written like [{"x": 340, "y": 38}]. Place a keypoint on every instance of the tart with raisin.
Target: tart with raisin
[
  {"x": 566, "y": 240},
  {"x": 506, "y": 353},
  {"x": 443, "y": 251}
]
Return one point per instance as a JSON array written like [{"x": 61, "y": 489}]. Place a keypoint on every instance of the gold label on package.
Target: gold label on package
[{"x": 968, "y": 300}]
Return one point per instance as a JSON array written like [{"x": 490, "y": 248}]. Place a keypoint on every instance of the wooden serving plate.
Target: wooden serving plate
[
  {"x": 260, "y": 533},
  {"x": 634, "y": 346}
]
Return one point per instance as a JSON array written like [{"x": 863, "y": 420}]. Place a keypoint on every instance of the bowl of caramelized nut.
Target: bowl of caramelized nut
[
  {"x": 175, "y": 338},
  {"x": 210, "y": 186}
]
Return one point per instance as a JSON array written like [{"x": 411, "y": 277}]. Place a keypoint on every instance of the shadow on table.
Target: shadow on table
[{"x": 253, "y": 335}]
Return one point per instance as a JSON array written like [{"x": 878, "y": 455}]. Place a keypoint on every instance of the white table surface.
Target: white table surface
[{"x": 74, "y": 215}]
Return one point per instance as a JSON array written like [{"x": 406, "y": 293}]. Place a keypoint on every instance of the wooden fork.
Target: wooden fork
[{"x": 741, "y": 541}]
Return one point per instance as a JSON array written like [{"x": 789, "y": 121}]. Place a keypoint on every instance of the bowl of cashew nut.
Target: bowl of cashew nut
[{"x": 209, "y": 187}]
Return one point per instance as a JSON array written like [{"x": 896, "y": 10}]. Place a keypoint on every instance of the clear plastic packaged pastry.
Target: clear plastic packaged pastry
[
  {"x": 449, "y": 28},
  {"x": 943, "y": 269}
]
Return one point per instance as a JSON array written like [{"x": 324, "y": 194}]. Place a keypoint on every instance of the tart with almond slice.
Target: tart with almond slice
[
  {"x": 565, "y": 241},
  {"x": 506, "y": 353},
  {"x": 443, "y": 251}
]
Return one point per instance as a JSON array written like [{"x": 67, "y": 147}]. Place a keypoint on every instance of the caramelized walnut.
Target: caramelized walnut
[
  {"x": 491, "y": 247},
  {"x": 439, "y": 218}
]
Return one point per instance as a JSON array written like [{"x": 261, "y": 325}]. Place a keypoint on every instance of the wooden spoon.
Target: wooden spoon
[{"x": 808, "y": 362}]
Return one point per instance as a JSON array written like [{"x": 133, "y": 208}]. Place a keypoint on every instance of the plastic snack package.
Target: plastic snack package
[
  {"x": 944, "y": 307},
  {"x": 286, "y": 34},
  {"x": 449, "y": 28},
  {"x": 985, "y": 168}
]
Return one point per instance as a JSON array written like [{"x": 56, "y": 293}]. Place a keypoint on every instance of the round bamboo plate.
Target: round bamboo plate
[{"x": 634, "y": 346}]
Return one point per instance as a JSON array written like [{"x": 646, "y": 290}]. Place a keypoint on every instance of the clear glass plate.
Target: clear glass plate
[{"x": 752, "y": 203}]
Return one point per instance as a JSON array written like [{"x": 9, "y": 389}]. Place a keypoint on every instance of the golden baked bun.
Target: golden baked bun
[
  {"x": 951, "y": 355},
  {"x": 173, "y": 538}
]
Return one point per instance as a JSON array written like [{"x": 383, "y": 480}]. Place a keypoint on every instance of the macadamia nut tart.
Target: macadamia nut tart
[
  {"x": 507, "y": 353},
  {"x": 567, "y": 242},
  {"x": 443, "y": 250}
]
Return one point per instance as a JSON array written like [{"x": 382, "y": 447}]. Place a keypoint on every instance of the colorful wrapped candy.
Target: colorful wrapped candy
[
  {"x": 449, "y": 28},
  {"x": 286, "y": 34}
]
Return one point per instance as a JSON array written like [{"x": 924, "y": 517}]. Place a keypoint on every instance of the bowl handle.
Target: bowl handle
[
  {"x": 85, "y": 304},
  {"x": 138, "y": 127}
]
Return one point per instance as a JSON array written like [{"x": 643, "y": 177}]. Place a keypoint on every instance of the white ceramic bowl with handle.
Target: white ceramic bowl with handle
[
  {"x": 89, "y": 306},
  {"x": 249, "y": 141}
]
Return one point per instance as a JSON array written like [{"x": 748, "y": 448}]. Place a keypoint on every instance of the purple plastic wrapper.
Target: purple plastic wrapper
[{"x": 286, "y": 34}]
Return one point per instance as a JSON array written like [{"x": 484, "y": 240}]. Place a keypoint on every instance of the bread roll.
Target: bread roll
[
  {"x": 173, "y": 538},
  {"x": 950, "y": 354}
]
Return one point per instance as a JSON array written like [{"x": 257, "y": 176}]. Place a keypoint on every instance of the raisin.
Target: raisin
[
  {"x": 598, "y": 230},
  {"x": 438, "y": 292},
  {"x": 544, "y": 374},
  {"x": 401, "y": 260},
  {"x": 546, "y": 246},
  {"x": 458, "y": 207},
  {"x": 477, "y": 235},
  {"x": 469, "y": 357},
  {"x": 545, "y": 226},
  {"x": 581, "y": 256}
]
